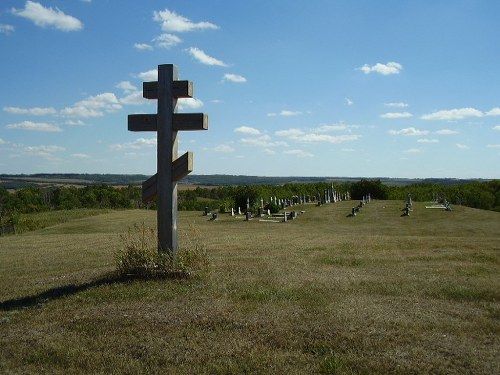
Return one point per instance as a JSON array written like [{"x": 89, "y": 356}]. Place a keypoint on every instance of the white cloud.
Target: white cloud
[
  {"x": 428, "y": 140},
  {"x": 446, "y": 132},
  {"x": 143, "y": 46},
  {"x": 298, "y": 153},
  {"x": 93, "y": 106},
  {"x": 409, "y": 132},
  {"x": 173, "y": 22},
  {"x": 6, "y": 29},
  {"x": 74, "y": 123},
  {"x": 43, "y": 17},
  {"x": 35, "y": 126},
  {"x": 396, "y": 105},
  {"x": 247, "y": 130},
  {"x": 263, "y": 141},
  {"x": 42, "y": 151},
  {"x": 453, "y": 114},
  {"x": 167, "y": 40},
  {"x": 203, "y": 58},
  {"x": 285, "y": 113},
  {"x": 384, "y": 69},
  {"x": 462, "y": 146},
  {"x": 347, "y": 150},
  {"x": 234, "y": 78},
  {"x": 268, "y": 151},
  {"x": 225, "y": 149},
  {"x": 332, "y": 128},
  {"x": 300, "y": 136},
  {"x": 493, "y": 146},
  {"x": 35, "y": 111},
  {"x": 137, "y": 144},
  {"x": 189, "y": 103},
  {"x": 493, "y": 112},
  {"x": 396, "y": 115},
  {"x": 2, "y": 142},
  {"x": 80, "y": 156},
  {"x": 496, "y": 128},
  {"x": 413, "y": 151},
  {"x": 126, "y": 86},
  {"x": 150, "y": 75},
  {"x": 348, "y": 101}
]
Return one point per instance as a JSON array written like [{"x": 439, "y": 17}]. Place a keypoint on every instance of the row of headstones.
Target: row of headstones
[{"x": 366, "y": 199}]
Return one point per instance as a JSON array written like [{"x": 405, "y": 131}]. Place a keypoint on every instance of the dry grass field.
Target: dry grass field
[{"x": 324, "y": 294}]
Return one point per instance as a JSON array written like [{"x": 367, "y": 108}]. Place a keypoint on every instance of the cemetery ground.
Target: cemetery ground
[{"x": 378, "y": 293}]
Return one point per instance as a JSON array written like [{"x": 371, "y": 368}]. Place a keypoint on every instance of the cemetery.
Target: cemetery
[{"x": 327, "y": 278}]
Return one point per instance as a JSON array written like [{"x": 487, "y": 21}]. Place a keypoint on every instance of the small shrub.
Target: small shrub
[{"x": 140, "y": 257}]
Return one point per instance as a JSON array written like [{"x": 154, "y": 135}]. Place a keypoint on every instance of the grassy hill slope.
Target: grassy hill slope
[{"x": 326, "y": 293}]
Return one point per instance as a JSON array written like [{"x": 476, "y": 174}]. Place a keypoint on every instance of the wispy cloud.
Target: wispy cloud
[
  {"x": 384, "y": 69},
  {"x": 285, "y": 113},
  {"x": 493, "y": 146},
  {"x": 428, "y": 140},
  {"x": 298, "y": 153},
  {"x": 34, "y": 126},
  {"x": 409, "y": 132},
  {"x": 348, "y": 101},
  {"x": 446, "y": 132},
  {"x": 173, "y": 22},
  {"x": 2, "y": 142},
  {"x": 462, "y": 146},
  {"x": 143, "y": 46},
  {"x": 453, "y": 114},
  {"x": 137, "y": 144},
  {"x": 42, "y": 151},
  {"x": 497, "y": 128},
  {"x": 301, "y": 136},
  {"x": 396, "y": 115},
  {"x": 247, "y": 130},
  {"x": 167, "y": 40},
  {"x": 224, "y": 148},
  {"x": 35, "y": 111},
  {"x": 396, "y": 105},
  {"x": 263, "y": 141},
  {"x": 44, "y": 17},
  {"x": 413, "y": 151},
  {"x": 6, "y": 29},
  {"x": 203, "y": 58},
  {"x": 234, "y": 78}
]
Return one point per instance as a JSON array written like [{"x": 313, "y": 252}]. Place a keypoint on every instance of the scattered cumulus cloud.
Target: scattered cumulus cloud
[
  {"x": 263, "y": 141},
  {"x": 80, "y": 156},
  {"x": 34, "y": 126},
  {"x": 497, "y": 128},
  {"x": 428, "y": 140},
  {"x": 44, "y": 17},
  {"x": 173, "y": 22},
  {"x": 6, "y": 29},
  {"x": 93, "y": 106},
  {"x": 384, "y": 69},
  {"x": 148, "y": 76},
  {"x": 42, "y": 151},
  {"x": 493, "y": 112},
  {"x": 247, "y": 130},
  {"x": 413, "y": 151},
  {"x": 126, "y": 86},
  {"x": 462, "y": 146},
  {"x": 409, "y": 132},
  {"x": 396, "y": 115},
  {"x": 35, "y": 111},
  {"x": 203, "y": 58},
  {"x": 234, "y": 78}
]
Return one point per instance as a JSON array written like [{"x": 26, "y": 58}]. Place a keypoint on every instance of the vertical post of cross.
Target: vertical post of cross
[{"x": 170, "y": 167}]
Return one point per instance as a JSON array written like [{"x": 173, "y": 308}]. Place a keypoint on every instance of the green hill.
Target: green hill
[{"x": 325, "y": 293}]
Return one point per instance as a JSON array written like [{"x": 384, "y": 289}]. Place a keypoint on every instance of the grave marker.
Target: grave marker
[{"x": 170, "y": 167}]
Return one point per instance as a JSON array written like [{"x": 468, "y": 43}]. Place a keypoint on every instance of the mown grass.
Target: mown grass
[{"x": 328, "y": 294}]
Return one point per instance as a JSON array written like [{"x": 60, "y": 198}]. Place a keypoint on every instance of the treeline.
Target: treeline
[{"x": 483, "y": 195}]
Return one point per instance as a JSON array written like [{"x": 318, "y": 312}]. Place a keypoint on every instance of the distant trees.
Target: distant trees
[{"x": 483, "y": 195}]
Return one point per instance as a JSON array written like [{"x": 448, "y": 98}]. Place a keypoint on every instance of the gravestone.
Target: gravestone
[{"x": 170, "y": 168}]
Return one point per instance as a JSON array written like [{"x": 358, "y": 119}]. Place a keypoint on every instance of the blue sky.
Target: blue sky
[{"x": 291, "y": 88}]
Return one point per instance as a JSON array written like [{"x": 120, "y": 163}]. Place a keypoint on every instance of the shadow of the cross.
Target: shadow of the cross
[{"x": 61, "y": 292}]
